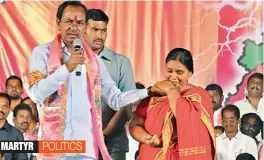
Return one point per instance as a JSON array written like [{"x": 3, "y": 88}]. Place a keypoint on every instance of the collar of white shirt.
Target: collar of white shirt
[
  {"x": 247, "y": 101},
  {"x": 237, "y": 136}
]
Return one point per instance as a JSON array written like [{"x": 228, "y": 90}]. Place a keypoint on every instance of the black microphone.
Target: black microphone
[{"x": 77, "y": 46}]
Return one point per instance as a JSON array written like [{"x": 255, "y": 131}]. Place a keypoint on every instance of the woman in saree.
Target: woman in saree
[{"x": 177, "y": 125}]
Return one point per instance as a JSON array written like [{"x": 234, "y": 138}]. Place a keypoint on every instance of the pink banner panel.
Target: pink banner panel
[{"x": 225, "y": 38}]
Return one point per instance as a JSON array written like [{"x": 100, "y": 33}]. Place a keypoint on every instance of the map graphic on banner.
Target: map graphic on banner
[
  {"x": 250, "y": 60},
  {"x": 252, "y": 55}
]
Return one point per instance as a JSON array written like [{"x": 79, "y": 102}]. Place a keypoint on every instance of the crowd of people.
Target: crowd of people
[{"x": 171, "y": 120}]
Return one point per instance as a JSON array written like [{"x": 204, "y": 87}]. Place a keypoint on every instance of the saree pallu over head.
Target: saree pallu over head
[
  {"x": 189, "y": 135},
  {"x": 52, "y": 122}
]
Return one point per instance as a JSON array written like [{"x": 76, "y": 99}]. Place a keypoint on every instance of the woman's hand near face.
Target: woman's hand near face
[{"x": 163, "y": 87}]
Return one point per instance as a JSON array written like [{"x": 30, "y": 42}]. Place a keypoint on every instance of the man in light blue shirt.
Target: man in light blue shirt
[
  {"x": 120, "y": 69},
  {"x": 71, "y": 22}
]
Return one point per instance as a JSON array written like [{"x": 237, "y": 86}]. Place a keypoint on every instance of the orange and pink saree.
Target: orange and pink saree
[{"x": 187, "y": 136}]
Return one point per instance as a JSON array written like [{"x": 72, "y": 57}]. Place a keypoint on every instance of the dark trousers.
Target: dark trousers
[{"x": 116, "y": 156}]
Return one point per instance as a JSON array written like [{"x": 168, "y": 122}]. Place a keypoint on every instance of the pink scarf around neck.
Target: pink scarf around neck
[{"x": 52, "y": 122}]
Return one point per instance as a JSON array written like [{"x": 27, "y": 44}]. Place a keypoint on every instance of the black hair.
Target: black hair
[
  {"x": 245, "y": 156},
  {"x": 96, "y": 15},
  {"x": 214, "y": 87},
  {"x": 136, "y": 155},
  {"x": 12, "y": 78},
  {"x": 24, "y": 99},
  {"x": 256, "y": 75},
  {"x": 220, "y": 128},
  {"x": 140, "y": 85},
  {"x": 20, "y": 107},
  {"x": 37, "y": 116},
  {"x": 65, "y": 4},
  {"x": 232, "y": 108},
  {"x": 182, "y": 55},
  {"x": 6, "y": 96}
]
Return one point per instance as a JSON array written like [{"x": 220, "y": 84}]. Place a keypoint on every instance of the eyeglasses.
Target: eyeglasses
[{"x": 231, "y": 120}]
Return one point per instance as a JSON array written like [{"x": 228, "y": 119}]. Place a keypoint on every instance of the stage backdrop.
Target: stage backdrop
[{"x": 225, "y": 38}]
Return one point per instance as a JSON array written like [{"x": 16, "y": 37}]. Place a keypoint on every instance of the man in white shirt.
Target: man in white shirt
[
  {"x": 232, "y": 142},
  {"x": 216, "y": 93},
  {"x": 253, "y": 102}
]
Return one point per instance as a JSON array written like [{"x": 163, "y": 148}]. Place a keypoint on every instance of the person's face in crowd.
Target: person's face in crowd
[
  {"x": 4, "y": 108},
  {"x": 218, "y": 132},
  {"x": 14, "y": 89},
  {"x": 72, "y": 24},
  {"x": 33, "y": 107},
  {"x": 230, "y": 121},
  {"x": 250, "y": 128},
  {"x": 255, "y": 87},
  {"x": 216, "y": 98},
  {"x": 22, "y": 120},
  {"x": 96, "y": 34},
  {"x": 177, "y": 73}
]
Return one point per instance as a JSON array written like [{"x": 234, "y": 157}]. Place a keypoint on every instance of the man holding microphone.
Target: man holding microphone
[{"x": 69, "y": 104}]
